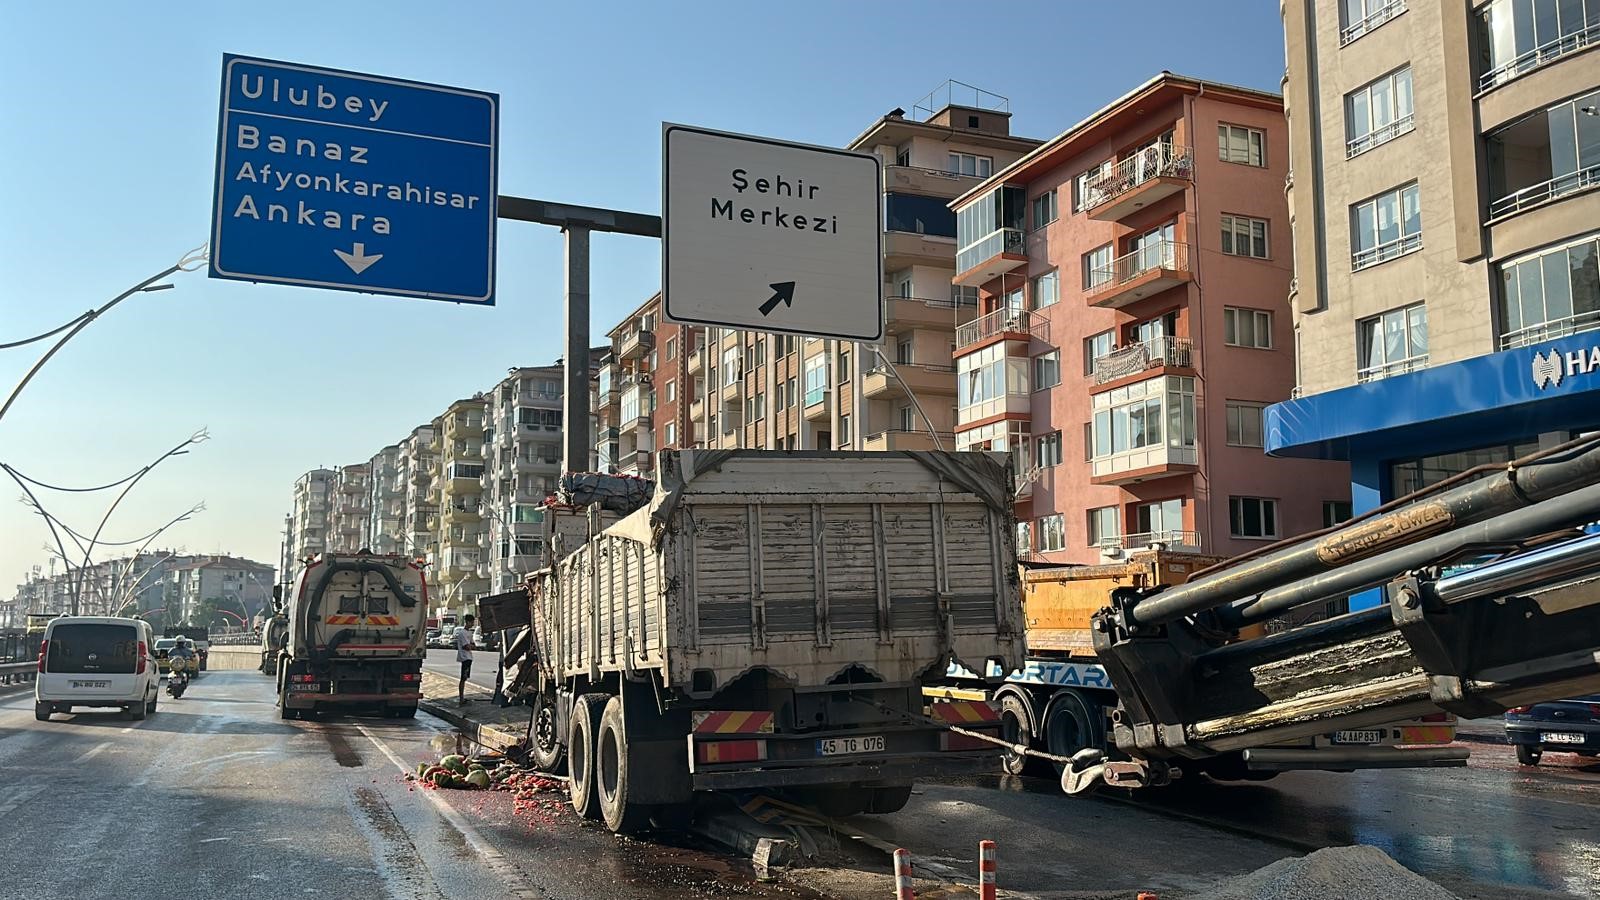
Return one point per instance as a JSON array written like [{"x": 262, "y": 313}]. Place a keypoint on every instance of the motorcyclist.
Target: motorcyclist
[{"x": 181, "y": 650}]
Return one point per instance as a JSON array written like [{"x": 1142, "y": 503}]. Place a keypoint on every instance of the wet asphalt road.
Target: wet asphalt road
[
  {"x": 213, "y": 796},
  {"x": 443, "y": 662}
]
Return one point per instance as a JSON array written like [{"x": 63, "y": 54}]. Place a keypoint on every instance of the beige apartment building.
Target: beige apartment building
[
  {"x": 1445, "y": 197},
  {"x": 460, "y": 538},
  {"x": 418, "y": 467},
  {"x": 522, "y": 463}
]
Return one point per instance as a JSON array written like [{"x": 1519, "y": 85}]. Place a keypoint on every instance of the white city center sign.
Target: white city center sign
[{"x": 769, "y": 235}]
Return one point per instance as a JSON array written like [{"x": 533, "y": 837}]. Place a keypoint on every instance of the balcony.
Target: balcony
[
  {"x": 1144, "y": 464},
  {"x": 1545, "y": 191},
  {"x": 818, "y": 406},
  {"x": 1572, "y": 41},
  {"x": 1152, "y": 174},
  {"x": 930, "y": 182},
  {"x": 697, "y": 360},
  {"x": 606, "y": 435},
  {"x": 546, "y": 399},
  {"x": 881, "y": 382},
  {"x": 905, "y": 313},
  {"x": 641, "y": 462},
  {"x": 457, "y": 513},
  {"x": 1010, "y": 324},
  {"x": 896, "y": 439},
  {"x": 1398, "y": 367},
  {"x": 1000, "y": 252},
  {"x": 730, "y": 392},
  {"x": 634, "y": 344},
  {"x": 609, "y": 386},
  {"x": 1145, "y": 272},
  {"x": 697, "y": 409},
  {"x": 637, "y": 421},
  {"x": 1136, "y": 358},
  {"x": 1374, "y": 18},
  {"x": 906, "y": 248},
  {"x": 535, "y": 465},
  {"x": 1167, "y": 539},
  {"x": 1547, "y": 331}
]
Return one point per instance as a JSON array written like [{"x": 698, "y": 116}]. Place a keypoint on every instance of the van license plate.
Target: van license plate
[
  {"x": 91, "y": 684},
  {"x": 1560, "y": 737},
  {"x": 305, "y": 687},
  {"x": 848, "y": 745},
  {"x": 1357, "y": 737}
]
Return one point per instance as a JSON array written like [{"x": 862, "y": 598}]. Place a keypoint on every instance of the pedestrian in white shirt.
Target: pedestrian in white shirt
[{"x": 464, "y": 648}]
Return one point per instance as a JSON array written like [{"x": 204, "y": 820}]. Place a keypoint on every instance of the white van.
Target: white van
[{"x": 97, "y": 661}]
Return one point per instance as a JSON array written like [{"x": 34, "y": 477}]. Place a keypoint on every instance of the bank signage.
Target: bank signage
[{"x": 1552, "y": 367}]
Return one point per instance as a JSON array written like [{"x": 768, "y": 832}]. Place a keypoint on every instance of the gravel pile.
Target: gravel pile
[{"x": 1348, "y": 873}]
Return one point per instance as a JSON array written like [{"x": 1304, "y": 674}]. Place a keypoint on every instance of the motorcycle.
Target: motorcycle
[{"x": 177, "y": 681}]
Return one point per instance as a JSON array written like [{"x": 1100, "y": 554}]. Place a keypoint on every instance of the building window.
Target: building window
[
  {"x": 672, "y": 391},
  {"x": 1247, "y": 328},
  {"x": 1105, "y": 526},
  {"x": 1361, "y": 16},
  {"x": 986, "y": 378},
  {"x": 1378, "y": 112},
  {"x": 1384, "y": 227},
  {"x": 1252, "y": 517},
  {"x": 1044, "y": 209},
  {"x": 908, "y": 418},
  {"x": 792, "y": 389},
  {"x": 1412, "y": 475},
  {"x": 902, "y": 154},
  {"x": 1243, "y": 236},
  {"x": 1080, "y": 185},
  {"x": 672, "y": 348},
  {"x": 816, "y": 377},
  {"x": 916, "y": 214},
  {"x": 1550, "y": 294},
  {"x": 1145, "y": 414},
  {"x": 844, "y": 431},
  {"x": 1047, "y": 288},
  {"x": 1097, "y": 268},
  {"x": 1518, "y": 36},
  {"x": 904, "y": 350},
  {"x": 1244, "y": 424},
  {"x": 730, "y": 366},
  {"x": 1545, "y": 156},
  {"x": 1096, "y": 346},
  {"x": 672, "y": 434},
  {"x": 970, "y": 164},
  {"x": 1024, "y": 545},
  {"x": 1161, "y": 521},
  {"x": 1047, "y": 370},
  {"x": 844, "y": 366},
  {"x": 1047, "y": 450},
  {"x": 1392, "y": 342},
  {"x": 1052, "y": 533},
  {"x": 1238, "y": 144},
  {"x": 1334, "y": 512}
]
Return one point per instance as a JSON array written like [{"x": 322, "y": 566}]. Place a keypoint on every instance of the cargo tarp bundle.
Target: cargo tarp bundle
[{"x": 620, "y": 494}]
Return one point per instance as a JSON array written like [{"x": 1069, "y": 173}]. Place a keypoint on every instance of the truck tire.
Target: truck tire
[
  {"x": 1071, "y": 724},
  {"x": 612, "y": 772},
  {"x": 884, "y": 800},
  {"x": 1018, "y": 726},
  {"x": 581, "y": 747},
  {"x": 548, "y": 752}
]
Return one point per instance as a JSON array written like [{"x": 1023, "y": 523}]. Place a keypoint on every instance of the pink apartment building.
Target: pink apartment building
[{"x": 1132, "y": 325}]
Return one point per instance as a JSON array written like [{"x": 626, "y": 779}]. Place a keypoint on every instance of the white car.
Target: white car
[{"x": 97, "y": 661}]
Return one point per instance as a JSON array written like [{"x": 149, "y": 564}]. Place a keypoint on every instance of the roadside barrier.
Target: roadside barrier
[{"x": 986, "y": 870}]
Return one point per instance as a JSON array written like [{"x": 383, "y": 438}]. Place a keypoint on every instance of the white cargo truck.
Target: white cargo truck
[
  {"x": 768, "y": 622},
  {"x": 355, "y": 636}
]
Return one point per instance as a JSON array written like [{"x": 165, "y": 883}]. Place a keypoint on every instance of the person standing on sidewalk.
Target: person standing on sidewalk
[{"x": 464, "y": 648}]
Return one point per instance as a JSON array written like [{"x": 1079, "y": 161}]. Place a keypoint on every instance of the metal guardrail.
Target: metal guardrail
[{"x": 18, "y": 672}]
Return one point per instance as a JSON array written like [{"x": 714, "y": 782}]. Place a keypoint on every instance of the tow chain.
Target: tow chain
[{"x": 1019, "y": 749}]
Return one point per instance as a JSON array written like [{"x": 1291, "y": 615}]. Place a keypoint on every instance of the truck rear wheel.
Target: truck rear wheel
[
  {"x": 1017, "y": 718},
  {"x": 611, "y": 773},
  {"x": 581, "y": 747},
  {"x": 548, "y": 753},
  {"x": 1070, "y": 725}
]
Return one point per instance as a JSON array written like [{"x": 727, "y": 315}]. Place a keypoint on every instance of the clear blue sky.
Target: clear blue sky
[{"x": 107, "y": 144}]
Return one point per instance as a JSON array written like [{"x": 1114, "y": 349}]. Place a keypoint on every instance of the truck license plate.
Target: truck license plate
[
  {"x": 1357, "y": 737},
  {"x": 106, "y": 684},
  {"x": 847, "y": 745},
  {"x": 1560, "y": 737},
  {"x": 305, "y": 687}
]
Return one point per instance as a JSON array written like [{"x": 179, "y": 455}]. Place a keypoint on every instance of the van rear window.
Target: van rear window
[{"x": 99, "y": 648}]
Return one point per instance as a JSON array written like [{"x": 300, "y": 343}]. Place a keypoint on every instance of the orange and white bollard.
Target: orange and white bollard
[
  {"x": 986, "y": 870},
  {"x": 902, "y": 875}
]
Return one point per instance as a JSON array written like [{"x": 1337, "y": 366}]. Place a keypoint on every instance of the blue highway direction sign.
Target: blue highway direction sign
[{"x": 356, "y": 182}]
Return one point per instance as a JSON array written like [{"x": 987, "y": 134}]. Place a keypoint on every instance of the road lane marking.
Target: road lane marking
[
  {"x": 19, "y": 797},
  {"x": 501, "y": 866},
  {"x": 96, "y": 751}
]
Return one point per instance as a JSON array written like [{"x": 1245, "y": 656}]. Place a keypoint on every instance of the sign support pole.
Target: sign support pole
[{"x": 575, "y": 364}]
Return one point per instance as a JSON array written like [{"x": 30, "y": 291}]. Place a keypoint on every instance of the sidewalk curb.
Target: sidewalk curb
[{"x": 485, "y": 735}]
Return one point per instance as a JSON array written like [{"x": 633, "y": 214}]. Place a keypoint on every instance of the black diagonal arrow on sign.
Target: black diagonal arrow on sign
[{"x": 782, "y": 292}]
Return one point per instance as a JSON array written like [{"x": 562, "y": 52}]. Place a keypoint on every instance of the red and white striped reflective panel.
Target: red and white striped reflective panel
[
  {"x": 902, "y": 875},
  {"x": 965, "y": 712},
  {"x": 986, "y": 888},
  {"x": 732, "y": 722}
]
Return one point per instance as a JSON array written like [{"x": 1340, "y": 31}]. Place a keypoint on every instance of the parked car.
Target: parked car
[
  {"x": 97, "y": 661},
  {"x": 431, "y": 638},
  {"x": 1562, "y": 726}
]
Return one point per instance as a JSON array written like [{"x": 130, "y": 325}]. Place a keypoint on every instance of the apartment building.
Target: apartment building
[
  {"x": 351, "y": 501},
  {"x": 522, "y": 465},
  {"x": 238, "y": 590},
  {"x": 1129, "y": 276},
  {"x": 782, "y": 392},
  {"x": 306, "y": 531},
  {"x": 1445, "y": 195},
  {"x": 460, "y": 540},
  {"x": 386, "y": 502},
  {"x": 418, "y": 467},
  {"x": 641, "y": 385},
  {"x": 122, "y": 585}
]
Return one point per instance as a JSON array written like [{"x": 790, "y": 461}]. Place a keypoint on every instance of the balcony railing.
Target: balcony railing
[
  {"x": 1136, "y": 358},
  {"x": 1403, "y": 125},
  {"x": 1544, "y": 331},
  {"x": 1398, "y": 367},
  {"x": 1004, "y": 240},
  {"x": 1168, "y": 538},
  {"x": 1544, "y": 192},
  {"x": 1385, "y": 251},
  {"x": 1382, "y": 14},
  {"x": 1151, "y": 257},
  {"x": 1155, "y": 161},
  {"x": 1543, "y": 54},
  {"x": 1003, "y": 321}
]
